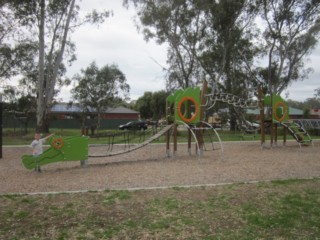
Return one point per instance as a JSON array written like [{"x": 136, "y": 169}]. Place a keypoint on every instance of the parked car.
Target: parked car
[
  {"x": 134, "y": 125},
  {"x": 253, "y": 124}
]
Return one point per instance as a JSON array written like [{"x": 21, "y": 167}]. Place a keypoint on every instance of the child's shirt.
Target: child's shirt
[{"x": 37, "y": 147}]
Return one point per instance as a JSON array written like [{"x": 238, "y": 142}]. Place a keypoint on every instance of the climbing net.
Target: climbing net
[
  {"x": 238, "y": 103},
  {"x": 230, "y": 99}
]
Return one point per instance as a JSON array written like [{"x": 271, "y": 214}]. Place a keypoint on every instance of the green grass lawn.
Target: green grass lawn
[{"x": 269, "y": 210}]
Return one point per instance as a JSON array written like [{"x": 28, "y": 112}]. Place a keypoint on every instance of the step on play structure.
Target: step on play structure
[
  {"x": 274, "y": 113},
  {"x": 60, "y": 150}
]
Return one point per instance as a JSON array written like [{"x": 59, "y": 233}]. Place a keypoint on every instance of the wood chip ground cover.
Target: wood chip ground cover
[{"x": 279, "y": 205}]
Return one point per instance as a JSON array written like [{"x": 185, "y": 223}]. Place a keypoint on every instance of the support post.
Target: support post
[
  {"x": 272, "y": 129},
  {"x": 189, "y": 141},
  {"x": 262, "y": 126},
  {"x": 168, "y": 144},
  {"x": 271, "y": 134},
  {"x": 284, "y": 136},
  {"x": 83, "y": 163},
  {"x": 202, "y": 108},
  {"x": 276, "y": 134},
  {"x": 175, "y": 139},
  {"x": 168, "y": 132}
]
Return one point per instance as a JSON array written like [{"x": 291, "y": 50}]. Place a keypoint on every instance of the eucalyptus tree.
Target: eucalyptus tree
[
  {"x": 205, "y": 38},
  {"x": 50, "y": 24},
  {"x": 96, "y": 88},
  {"x": 291, "y": 33},
  {"x": 229, "y": 48},
  {"x": 176, "y": 23},
  {"x": 17, "y": 57}
]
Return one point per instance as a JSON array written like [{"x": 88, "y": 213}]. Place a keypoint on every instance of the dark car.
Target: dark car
[{"x": 134, "y": 125}]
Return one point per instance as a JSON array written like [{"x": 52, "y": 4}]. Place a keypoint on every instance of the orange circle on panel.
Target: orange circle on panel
[
  {"x": 183, "y": 118},
  {"x": 57, "y": 143},
  {"x": 280, "y": 104}
]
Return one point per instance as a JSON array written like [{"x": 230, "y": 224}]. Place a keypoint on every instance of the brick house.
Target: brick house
[
  {"x": 315, "y": 112},
  {"x": 64, "y": 115},
  {"x": 66, "y": 111}
]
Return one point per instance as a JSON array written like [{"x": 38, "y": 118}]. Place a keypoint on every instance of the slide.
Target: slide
[
  {"x": 298, "y": 132},
  {"x": 61, "y": 149}
]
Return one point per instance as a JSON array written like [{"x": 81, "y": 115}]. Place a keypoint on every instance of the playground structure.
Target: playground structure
[
  {"x": 187, "y": 108},
  {"x": 184, "y": 108},
  {"x": 61, "y": 149},
  {"x": 183, "y": 101},
  {"x": 274, "y": 112}
]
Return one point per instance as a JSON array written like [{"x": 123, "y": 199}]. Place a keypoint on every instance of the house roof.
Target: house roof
[
  {"x": 121, "y": 110},
  {"x": 295, "y": 111},
  {"x": 74, "y": 108},
  {"x": 292, "y": 111},
  {"x": 64, "y": 107}
]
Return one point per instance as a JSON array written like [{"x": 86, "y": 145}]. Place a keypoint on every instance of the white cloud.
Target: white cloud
[
  {"x": 118, "y": 42},
  {"x": 301, "y": 90}
]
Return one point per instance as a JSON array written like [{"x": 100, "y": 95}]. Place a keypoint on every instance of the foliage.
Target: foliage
[
  {"x": 312, "y": 103},
  {"x": 224, "y": 40},
  {"x": 292, "y": 29},
  {"x": 309, "y": 103},
  {"x": 48, "y": 26},
  {"x": 21, "y": 109},
  {"x": 207, "y": 39},
  {"x": 158, "y": 104},
  {"x": 98, "y": 88},
  {"x": 203, "y": 37},
  {"x": 230, "y": 50},
  {"x": 13, "y": 57},
  {"x": 152, "y": 105},
  {"x": 143, "y": 105},
  {"x": 16, "y": 59}
]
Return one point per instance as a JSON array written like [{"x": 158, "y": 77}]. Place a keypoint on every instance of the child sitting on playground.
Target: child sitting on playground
[{"x": 37, "y": 148}]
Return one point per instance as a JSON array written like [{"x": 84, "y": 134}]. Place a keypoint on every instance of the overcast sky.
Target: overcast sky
[{"x": 117, "y": 41}]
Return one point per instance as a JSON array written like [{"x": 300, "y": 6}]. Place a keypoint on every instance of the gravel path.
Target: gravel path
[{"x": 149, "y": 167}]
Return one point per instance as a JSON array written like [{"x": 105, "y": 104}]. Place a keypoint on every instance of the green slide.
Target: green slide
[{"x": 61, "y": 149}]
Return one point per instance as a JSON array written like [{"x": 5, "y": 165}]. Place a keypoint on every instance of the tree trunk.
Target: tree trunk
[
  {"x": 46, "y": 91},
  {"x": 59, "y": 58},
  {"x": 41, "y": 91}
]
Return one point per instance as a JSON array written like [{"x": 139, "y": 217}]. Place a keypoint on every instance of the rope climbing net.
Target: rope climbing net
[{"x": 228, "y": 98}]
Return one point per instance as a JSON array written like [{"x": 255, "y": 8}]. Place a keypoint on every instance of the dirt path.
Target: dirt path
[{"x": 149, "y": 167}]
